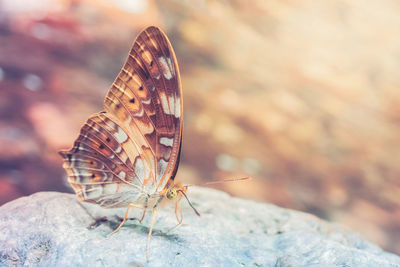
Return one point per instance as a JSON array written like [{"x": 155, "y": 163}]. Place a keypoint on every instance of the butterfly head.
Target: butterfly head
[
  {"x": 177, "y": 191},
  {"x": 171, "y": 193}
]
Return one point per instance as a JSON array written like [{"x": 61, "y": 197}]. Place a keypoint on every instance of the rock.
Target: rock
[{"x": 51, "y": 229}]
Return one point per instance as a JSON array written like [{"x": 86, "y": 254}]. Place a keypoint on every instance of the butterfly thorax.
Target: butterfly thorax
[
  {"x": 151, "y": 201},
  {"x": 171, "y": 192}
]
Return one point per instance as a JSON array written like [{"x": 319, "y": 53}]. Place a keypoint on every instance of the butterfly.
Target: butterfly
[{"x": 128, "y": 154}]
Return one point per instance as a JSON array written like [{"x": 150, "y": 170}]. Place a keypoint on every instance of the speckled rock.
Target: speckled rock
[{"x": 52, "y": 229}]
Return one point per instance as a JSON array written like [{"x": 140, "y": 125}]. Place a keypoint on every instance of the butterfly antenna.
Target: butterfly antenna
[
  {"x": 223, "y": 181},
  {"x": 197, "y": 213},
  {"x": 228, "y": 180}
]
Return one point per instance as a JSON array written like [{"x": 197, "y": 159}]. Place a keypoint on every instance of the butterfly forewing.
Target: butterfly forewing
[{"x": 134, "y": 145}]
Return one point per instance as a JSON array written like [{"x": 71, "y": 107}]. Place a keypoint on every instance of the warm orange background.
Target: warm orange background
[{"x": 303, "y": 96}]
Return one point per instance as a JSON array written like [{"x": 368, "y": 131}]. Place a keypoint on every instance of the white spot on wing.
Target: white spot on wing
[
  {"x": 165, "y": 68},
  {"x": 140, "y": 113},
  {"x": 122, "y": 174},
  {"x": 162, "y": 166},
  {"x": 164, "y": 103},
  {"x": 171, "y": 101},
  {"x": 147, "y": 101},
  {"x": 166, "y": 141},
  {"x": 171, "y": 66},
  {"x": 177, "y": 107},
  {"x": 121, "y": 136}
]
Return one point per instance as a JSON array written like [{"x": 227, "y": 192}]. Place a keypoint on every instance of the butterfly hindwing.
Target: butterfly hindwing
[{"x": 98, "y": 166}]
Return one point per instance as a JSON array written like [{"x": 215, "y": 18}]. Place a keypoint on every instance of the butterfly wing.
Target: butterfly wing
[
  {"x": 146, "y": 97},
  {"x": 133, "y": 147}
]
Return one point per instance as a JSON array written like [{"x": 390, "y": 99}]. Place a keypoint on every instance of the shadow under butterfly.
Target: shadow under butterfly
[{"x": 128, "y": 154}]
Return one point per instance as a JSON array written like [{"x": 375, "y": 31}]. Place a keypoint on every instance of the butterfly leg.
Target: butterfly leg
[
  {"x": 126, "y": 215},
  {"x": 177, "y": 218},
  {"x": 176, "y": 213},
  {"x": 150, "y": 231},
  {"x": 144, "y": 213}
]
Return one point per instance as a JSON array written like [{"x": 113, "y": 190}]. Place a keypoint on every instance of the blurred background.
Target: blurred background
[{"x": 303, "y": 96}]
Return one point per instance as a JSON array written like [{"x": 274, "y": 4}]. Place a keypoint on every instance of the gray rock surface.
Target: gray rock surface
[{"x": 51, "y": 229}]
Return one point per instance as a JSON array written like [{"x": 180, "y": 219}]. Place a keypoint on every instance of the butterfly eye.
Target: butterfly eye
[
  {"x": 132, "y": 100},
  {"x": 171, "y": 194},
  {"x": 141, "y": 88}
]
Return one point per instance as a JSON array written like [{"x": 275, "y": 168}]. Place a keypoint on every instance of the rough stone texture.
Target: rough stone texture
[
  {"x": 51, "y": 229},
  {"x": 301, "y": 95}
]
